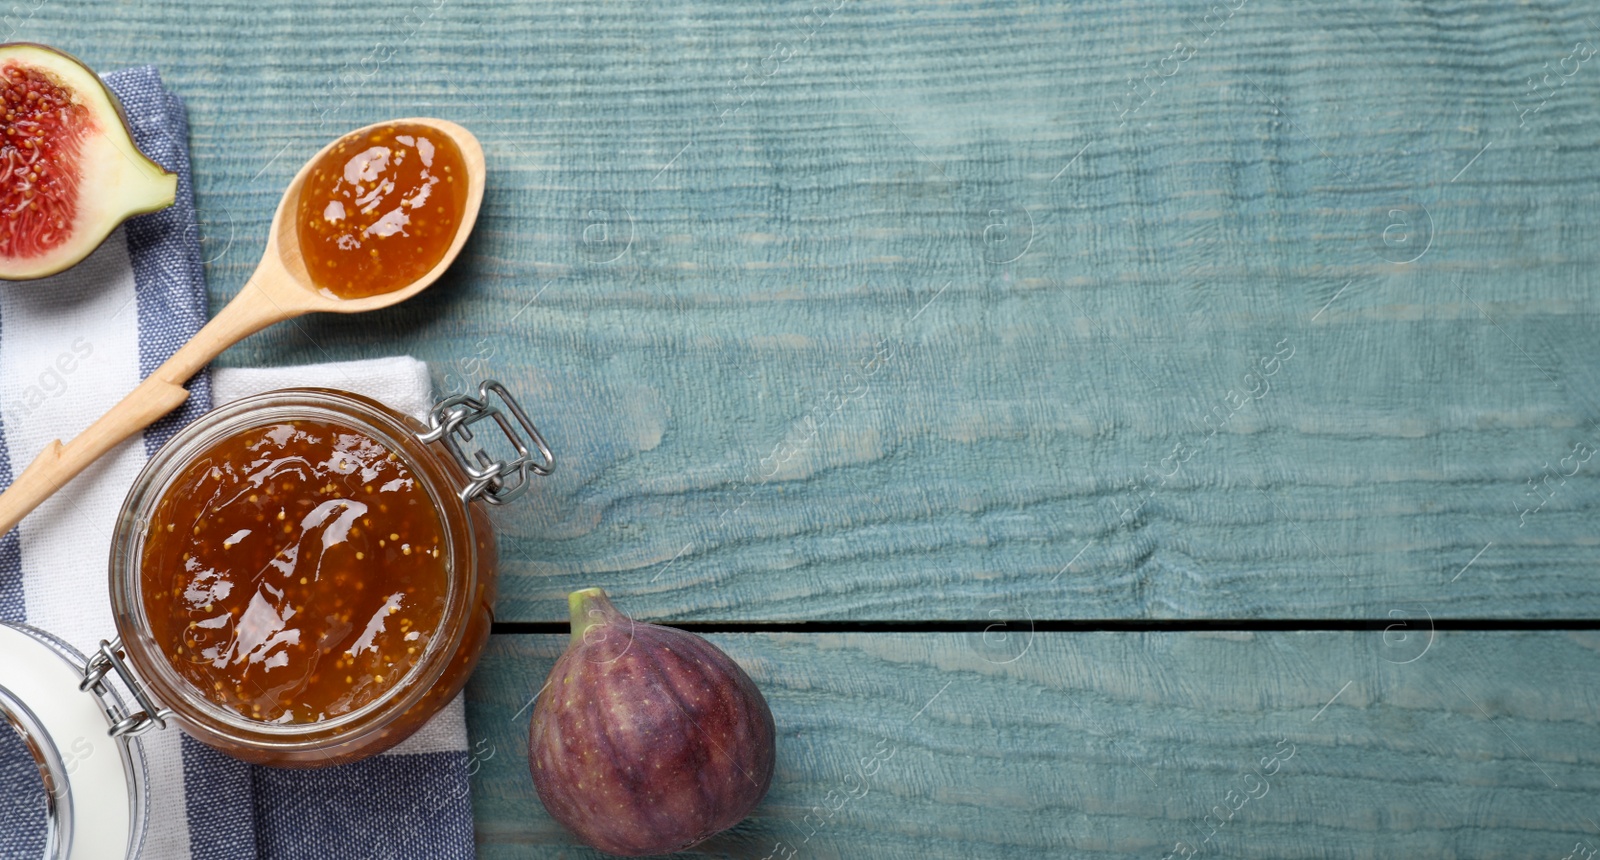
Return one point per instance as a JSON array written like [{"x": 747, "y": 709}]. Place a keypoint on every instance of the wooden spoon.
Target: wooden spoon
[{"x": 280, "y": 289}]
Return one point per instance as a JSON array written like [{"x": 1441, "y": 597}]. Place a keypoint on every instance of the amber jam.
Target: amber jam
[
  {"x": 273, "y": 568},
  {"x": 379, "y": 210},
  {"x": 294, "y": 572}
]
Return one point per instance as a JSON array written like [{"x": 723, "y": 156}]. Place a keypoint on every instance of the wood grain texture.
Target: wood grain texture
[
  {"x": 1099, "y": 745},
  {"x": 706, "y": 222}
]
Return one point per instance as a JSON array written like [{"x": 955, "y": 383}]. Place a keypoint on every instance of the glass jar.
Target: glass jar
[
  {"x": 66, "y": 706},
  {"x": 94, "y": 804},
  {"x": 458, "y": 478}
]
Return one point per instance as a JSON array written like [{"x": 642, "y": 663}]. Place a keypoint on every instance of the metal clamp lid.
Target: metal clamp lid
[
  {"x": 107, "y": 660},
  {"x": 494, "y": 481}
]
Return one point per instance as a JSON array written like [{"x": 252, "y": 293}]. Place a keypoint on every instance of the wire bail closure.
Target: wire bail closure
[
  {"x": 494, "y": 481},
  {"x": 106, "y": 661}
]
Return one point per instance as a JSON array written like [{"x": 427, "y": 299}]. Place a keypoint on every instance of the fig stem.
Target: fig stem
[{"x": 589, "y": 607}]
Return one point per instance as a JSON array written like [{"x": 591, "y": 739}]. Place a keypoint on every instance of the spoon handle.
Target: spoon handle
[
  {"x": 57, "y": 463},
  {"x": 254, "y": 308}
]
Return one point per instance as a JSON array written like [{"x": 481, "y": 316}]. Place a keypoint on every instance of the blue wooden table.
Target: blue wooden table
[{"x": 1161, "y": 429}]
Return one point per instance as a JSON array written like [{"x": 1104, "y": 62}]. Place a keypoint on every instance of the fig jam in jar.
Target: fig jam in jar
[
  {"x": 305, "y": 577},
  {"x": 293, "y": 571}
]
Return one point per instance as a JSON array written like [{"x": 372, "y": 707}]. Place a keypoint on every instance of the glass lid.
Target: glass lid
[{"x": 91, "y": 803}]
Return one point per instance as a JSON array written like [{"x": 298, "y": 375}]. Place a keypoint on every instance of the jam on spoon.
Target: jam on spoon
[{"x": 379, "y": 210}]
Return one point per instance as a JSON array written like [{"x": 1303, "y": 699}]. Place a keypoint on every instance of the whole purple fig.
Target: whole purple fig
[{"x": 647, "y": 739}]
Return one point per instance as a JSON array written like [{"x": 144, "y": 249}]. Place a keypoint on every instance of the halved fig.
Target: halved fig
[{"x": 69, "y": 170}]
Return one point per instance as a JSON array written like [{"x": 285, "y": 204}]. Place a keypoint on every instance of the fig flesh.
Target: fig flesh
[
  {"x": 647, "y": 739},
  {"x": 69, "y": 170}
]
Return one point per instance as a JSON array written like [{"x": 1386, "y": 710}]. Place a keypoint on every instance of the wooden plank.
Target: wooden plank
[
  {"x": 1087, "y": 745},
  {"x": 1058, "y": 235}
]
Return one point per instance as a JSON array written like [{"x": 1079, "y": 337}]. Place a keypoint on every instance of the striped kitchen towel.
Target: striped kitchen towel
[{"x": 72, "y": 345}]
